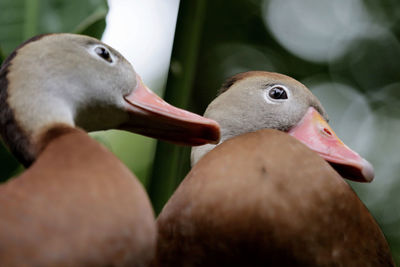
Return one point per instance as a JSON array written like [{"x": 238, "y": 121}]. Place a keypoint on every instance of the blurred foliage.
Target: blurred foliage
[
  {"x": 168, "y": 172},
  {"x": 22, "y": 19},
  {"x": 1, "y": 56},
  {"x": 346, "y": 52}
]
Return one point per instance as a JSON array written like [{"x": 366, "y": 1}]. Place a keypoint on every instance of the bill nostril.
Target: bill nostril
[{"x": 327, "y": 132}]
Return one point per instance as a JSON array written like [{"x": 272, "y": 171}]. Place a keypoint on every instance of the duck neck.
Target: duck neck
[{"x": 21, "y": 129}]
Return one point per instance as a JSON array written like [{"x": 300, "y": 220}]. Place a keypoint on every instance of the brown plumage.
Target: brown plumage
[
  {"x": 76, "y": 204},
  {"x": 265, "y": 199},
  {"x": 261, "y": 197}
]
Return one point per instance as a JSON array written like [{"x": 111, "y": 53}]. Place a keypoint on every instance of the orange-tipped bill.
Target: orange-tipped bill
[
  {"x": 315, "y": 132},
  {"x": 153, "y": 117}
]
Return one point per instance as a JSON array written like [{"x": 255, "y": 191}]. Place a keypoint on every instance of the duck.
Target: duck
[
  {"x": 271, "y": 192},
  {"x": 76, "y": 204}
]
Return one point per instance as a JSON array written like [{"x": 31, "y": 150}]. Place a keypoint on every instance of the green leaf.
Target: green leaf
[
  {"x": 1, "y": 56},
  {"x": 12, "y": 23},
  {"x": 22, "y": 19},
  {"x": 72, "y": 16},
  {"x": 135, "y": 151},
  {"x": 171, "y": 162},
  {"x": 101, "y": 138},
  {"x": 9, "y": 165},
  {"x": 94, "y": 24}
]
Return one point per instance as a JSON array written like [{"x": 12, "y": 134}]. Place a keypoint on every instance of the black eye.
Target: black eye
[
  {"x": 102, "y": 52},
  {"x": 277, "y": 93}
]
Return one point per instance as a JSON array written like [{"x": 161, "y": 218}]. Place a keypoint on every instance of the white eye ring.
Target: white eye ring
[
  {"x": 277, "y": 94},
  {"x": 103, "y": 53}
]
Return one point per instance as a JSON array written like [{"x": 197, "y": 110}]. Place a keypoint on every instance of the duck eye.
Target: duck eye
[
  {"x": 102, "y": 52},
  {"x": 277, "y": 93}
]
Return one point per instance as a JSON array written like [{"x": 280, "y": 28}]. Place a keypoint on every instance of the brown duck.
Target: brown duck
[
  {"x": 77, "y": 204},
  {"x": 263, "y": 198}
]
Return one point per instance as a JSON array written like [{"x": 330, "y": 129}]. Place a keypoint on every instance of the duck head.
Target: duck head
[
  {"x": 79, "y": 81},
  {"x": 256, "y": 100}
]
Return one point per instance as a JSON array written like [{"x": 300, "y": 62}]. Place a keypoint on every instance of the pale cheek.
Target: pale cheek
[{"x": 268, "y": 100}]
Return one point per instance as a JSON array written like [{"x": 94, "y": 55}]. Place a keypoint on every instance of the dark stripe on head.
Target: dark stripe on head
[
  {"x": 10, "y": 130},
  {"x": 7, "y": 61},
  {"x": 228, "y": 83},
  {"x": 237, "y": 77}
]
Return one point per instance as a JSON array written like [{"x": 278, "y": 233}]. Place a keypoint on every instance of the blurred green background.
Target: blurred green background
[{"x": 346, "y": 51}]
